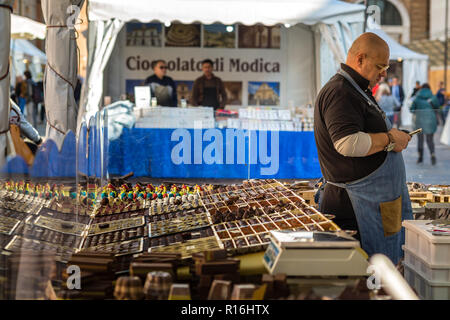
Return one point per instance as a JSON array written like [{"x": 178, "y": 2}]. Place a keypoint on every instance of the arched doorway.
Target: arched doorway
[{"x": 395, "y": 19}]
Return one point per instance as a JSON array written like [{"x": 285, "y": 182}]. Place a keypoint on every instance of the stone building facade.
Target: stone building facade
[{"x": 403, "y": 20}]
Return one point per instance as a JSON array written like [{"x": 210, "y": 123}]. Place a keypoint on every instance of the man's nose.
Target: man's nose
[{"x": 384, "y": 73}]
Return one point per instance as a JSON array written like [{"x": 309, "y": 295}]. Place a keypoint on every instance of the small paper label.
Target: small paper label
[{"x": 142, "y": 95}]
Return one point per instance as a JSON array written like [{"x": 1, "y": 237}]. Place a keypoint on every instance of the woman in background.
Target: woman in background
[
  {"x": 423, "y": 109},
  {"x": 386, "y": 101}
]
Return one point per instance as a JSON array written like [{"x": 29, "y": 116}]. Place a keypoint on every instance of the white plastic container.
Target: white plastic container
[
  {"x": 433, "y": 273},
  {"x": 434, "y": 250},
  {"x": 426, "y": 289}
]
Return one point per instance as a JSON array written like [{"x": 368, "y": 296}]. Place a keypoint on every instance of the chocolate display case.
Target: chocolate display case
[
  {"x": 244, "y": 215},
  {"x": 235, "y": 218}
]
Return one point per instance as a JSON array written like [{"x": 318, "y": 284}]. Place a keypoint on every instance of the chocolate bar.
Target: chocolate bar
[
  {"x": 218, "y": 267},
  {"x": 211, "y": 255}
]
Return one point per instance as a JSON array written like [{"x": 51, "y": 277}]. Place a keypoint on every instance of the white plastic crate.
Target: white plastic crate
[
  {"x": 426, "y": 289},
  {"x": 435, "y": 250},
  {"x": 430, "y": 272}
]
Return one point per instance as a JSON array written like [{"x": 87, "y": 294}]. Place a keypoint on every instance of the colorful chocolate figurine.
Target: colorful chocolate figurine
[
  {"x": 104, "y": 197},
  {"x": 21, "y": 187},
  {"x": 111, "y": 191},
  {"x": 123, "y": 195},
  {"x": 73, "y": 193},
  {"x": 27, "y": 188},
  {"x": 48, "y": 192},
  {"x": 130, "y": 195}
]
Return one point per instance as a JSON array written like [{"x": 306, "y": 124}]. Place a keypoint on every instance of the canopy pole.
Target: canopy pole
[
  {"x": 6, "y": 8},
  {"x": 366, "y": 16},
  {"x": 446, "y": 45}
]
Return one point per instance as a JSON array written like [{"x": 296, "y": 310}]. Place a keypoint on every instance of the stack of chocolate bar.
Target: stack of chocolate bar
[
  {"x": 214, "y": 265},
  {"x": 96, "y": 278},
  {"x": 146, "y": 263}
]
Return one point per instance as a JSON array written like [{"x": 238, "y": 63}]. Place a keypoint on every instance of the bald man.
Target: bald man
[{"x": 360, "y": 153}]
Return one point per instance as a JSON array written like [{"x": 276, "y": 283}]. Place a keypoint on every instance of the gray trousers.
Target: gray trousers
[{"x": 430, "y": 142}]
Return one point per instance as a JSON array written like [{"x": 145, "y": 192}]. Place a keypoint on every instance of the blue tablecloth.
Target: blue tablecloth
[{"x": 149, "y": 153}]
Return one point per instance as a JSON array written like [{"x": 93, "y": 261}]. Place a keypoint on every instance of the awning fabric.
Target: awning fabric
[
  {"x": 248, "y": 12},
  {"x": 25, "y": 28},
  {"x": 108, "y": 16},
  {"x": 62, "y": 67}
]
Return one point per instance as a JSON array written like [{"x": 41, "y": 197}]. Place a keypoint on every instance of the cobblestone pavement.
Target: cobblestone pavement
[{"x": 425, "y": 172}]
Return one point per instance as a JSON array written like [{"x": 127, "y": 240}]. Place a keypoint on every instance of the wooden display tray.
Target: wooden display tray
[
  {"x": 67, "y": 227},
  {"x": 116, "y": 225},
  {"x": 428, "y": 196},
  {"x": 8, "y": 225},
  {"x": 116, "y": 247},
  {"x": 186, "y": 249}
]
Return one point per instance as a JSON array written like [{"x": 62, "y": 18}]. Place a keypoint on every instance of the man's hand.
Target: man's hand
[{"x": 401, "y": 139}]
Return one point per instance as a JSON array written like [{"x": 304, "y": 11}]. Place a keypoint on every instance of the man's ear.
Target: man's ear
[{"x": 360, "y": 58}]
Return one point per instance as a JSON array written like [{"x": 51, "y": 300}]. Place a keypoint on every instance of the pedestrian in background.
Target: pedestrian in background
[
  {"x": 28, "y": 94},
  {"x": 386, "y": 101},
  {"x": 20, "y": 93},
  {"x": 375, "y": 88},
  {"x": 440, "y": 95},
  {"x": 398, "y": 93},
  {"x": 416, "y": 89},
  {"x": 424, "y": 116}
]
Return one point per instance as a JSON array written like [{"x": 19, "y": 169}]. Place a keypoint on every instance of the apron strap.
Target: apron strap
[{"x": 365, "y": 96}]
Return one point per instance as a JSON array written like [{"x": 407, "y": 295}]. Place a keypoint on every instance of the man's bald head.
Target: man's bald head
[
  {"x": 368, "y": 55},
  {"x": 368, "y": 43}
]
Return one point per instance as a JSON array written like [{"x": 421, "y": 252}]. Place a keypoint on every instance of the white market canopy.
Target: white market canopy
[
  {"x": 248, "y": 12},
  {"x": 337, "y": 22},
  {"x": 25, "y": 28}
]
